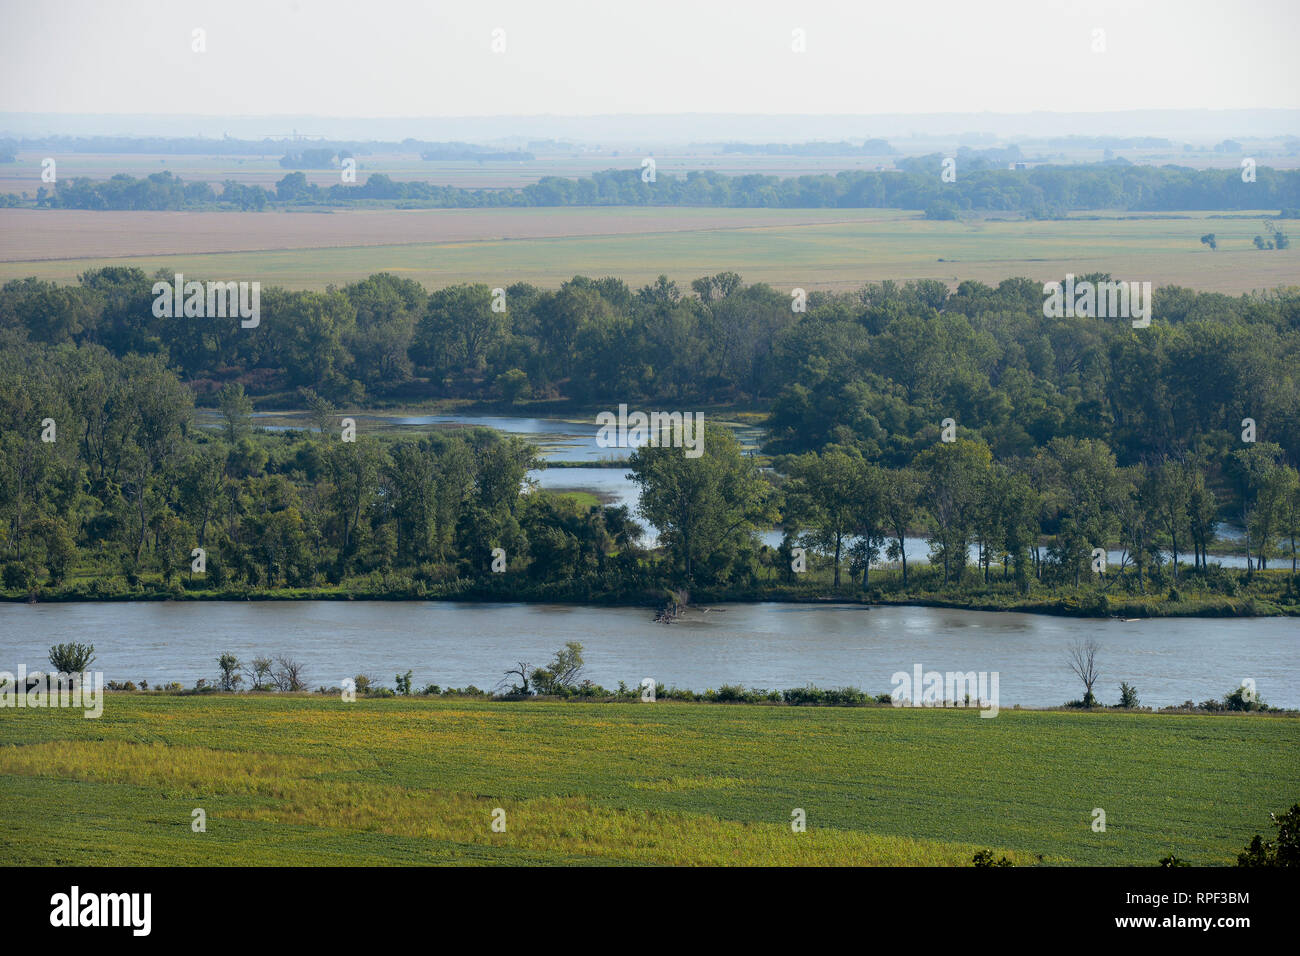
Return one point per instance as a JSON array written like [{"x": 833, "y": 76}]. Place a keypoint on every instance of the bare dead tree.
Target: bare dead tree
[
  {"x": 288, "y": 674},
  {"x": 676, "y": 606},
  {"x": 1083, "y": 661},
  {"x": 522, "y": 670}
]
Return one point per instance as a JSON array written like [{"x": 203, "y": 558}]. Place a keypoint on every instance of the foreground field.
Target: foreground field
[
  {"x": 314, "y": 780},
  {"x": 812, "y": 249}
]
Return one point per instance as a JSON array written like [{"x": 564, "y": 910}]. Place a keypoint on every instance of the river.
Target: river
[
  {"x": 761, "y": 645},
  {"x": 773, "y": 646}
]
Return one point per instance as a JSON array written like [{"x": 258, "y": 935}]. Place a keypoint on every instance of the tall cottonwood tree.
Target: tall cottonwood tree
[
  {"x": 834, "y": 496},
  {"x": 702, "y": 506},
  {"x": 954, "y": 473}
]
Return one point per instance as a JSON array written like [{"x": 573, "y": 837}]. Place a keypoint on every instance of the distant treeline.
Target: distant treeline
[
  {"x": 329, "y": 158},
  {"x": 158, "y": 191},
  {"x": 229, "y": 146},
  {"x": 1100, "y": 142},
  {"x": 872, "y": 147},
  {"x": 980, "y": 186}
]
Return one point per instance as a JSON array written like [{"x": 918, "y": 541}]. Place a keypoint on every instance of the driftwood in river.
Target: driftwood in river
[{"x": 676, "y": 606}]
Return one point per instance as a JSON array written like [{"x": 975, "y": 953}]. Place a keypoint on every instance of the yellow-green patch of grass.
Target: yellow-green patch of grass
[
  {"x": 583, "y": 499},
  {"x": 169, "y": 768},
  {"x": 567, "y": 826}
]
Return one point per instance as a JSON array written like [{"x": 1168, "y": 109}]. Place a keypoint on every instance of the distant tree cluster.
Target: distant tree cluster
[
  {"x": 131, "y": 488},
  {"x": 157, "y": 191}
]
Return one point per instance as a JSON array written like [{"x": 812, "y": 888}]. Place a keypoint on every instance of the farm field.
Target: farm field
[
  {"x": 314, "y": 780},
  {"x": 812, "y": 249},
  {"x": 29, "y": 235}
]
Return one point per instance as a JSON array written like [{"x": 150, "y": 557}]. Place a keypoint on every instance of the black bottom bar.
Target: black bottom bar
[{"x": 922, "y": 905}]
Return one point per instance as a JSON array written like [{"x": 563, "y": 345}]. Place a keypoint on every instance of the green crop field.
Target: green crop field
[
  {"x": 315, "y": 780},
  {"x": 639, "y": 244}
]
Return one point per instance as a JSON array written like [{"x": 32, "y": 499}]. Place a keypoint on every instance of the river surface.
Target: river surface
[{"x": 773, "y": 646}]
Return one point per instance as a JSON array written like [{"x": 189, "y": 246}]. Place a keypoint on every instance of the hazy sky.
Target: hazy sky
[{"x": 388, "y": 59}]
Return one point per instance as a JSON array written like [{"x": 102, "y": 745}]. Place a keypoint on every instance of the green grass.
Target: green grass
[
  {"x": 882, "y": 244},
  {"x": 583, "y": 499},
  {"x": 311, "y": 780}
]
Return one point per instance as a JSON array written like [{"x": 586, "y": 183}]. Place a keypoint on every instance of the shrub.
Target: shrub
[
  {"x": 230, "y": 678},
  {"x": 1242, "y": 699},
  {"x": 798, "y": 696},
  {"x": 941, "y": 209},
  {"x": 1284, "y": 850},
  {"x": 72, "y": 658},
  {"x": 19, "y": 576},
  {"x": 1098, "y": 605},
  {"x": 1128, "y": 695},
  {"x": 985, "y": 858},
  {"x": 560, "y": 676},
  {"x": 832, "y": 697},
  {"x": 845, "y": 697},
  {"x": 732, "y": 694},
  {"x": 513, "y": 385}
]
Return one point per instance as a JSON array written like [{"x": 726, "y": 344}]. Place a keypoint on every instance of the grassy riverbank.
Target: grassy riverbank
[
  {"x": 1230, "y": 593},
  {"x": 310, "y": 780}
]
